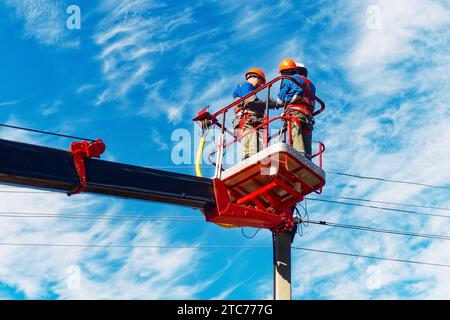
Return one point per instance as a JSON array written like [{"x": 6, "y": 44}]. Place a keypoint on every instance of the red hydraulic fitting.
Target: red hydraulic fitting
[{"x": 80, "y": 152}]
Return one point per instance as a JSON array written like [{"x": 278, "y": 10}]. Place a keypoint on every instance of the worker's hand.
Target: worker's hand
[
  {"x": 272, "y": 104},
  {"x": 206, "y": 123}
]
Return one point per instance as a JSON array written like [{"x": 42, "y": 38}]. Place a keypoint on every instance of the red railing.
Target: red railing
[
  {"x": 268, "y": 85},
  {"x": 213, "y": 118}
]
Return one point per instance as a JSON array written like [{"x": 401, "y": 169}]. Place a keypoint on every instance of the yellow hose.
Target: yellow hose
[
  {"x": 198, "y": 158},
  {"x": 198, "y": 171}
]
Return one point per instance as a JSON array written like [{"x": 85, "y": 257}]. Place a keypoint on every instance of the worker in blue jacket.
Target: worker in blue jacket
[
  {"x": 298, "y": 106},
  {"x": 250, "y": 113}
]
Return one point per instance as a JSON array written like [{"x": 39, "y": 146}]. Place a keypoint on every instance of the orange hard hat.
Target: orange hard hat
[
  {"x": 287, "y": 64},
  {"x": 258, "y": 72}
]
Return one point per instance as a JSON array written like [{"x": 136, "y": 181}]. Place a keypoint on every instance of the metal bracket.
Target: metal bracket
[{"x": 80, "y": 152}]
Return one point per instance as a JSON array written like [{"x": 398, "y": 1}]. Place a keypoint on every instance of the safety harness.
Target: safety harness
[
  {"x": 303, "y": 105},
  {"x": 243, "y": 113}
]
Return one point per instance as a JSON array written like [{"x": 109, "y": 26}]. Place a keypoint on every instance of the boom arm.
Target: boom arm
[{"x": 47, "y": 168}]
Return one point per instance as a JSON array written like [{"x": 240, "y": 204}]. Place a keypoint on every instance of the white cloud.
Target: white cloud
[
  {"x": 84, "y": 88},
  {"x": 9, "y": 103},
  {"x": 133, "y": 37},
  {"x": 102, "y": 97},
  {"x": 387, "y": 116},
  {"x": 48, "y": 110},
  {"x": 131, "y": 273},
  {"x": 129, "y": 42},
  {"x": 174, "y": 114},
  {"x": 127, "y": 273},
  {"x": 18, "y": 135},
  {"x": 226, "y": 293},
  {"x": 158, "y": 140},
  {"x": 256, "y": 19},
  {"x": 392, "y": 121},
  {"x": 407, "y": 29},
  {"x": 203, "y": 62},
  {"x": 44, "y": 21}
]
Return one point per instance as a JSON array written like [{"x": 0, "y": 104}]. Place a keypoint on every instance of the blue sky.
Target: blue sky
[{"x": 139, "y": 70}]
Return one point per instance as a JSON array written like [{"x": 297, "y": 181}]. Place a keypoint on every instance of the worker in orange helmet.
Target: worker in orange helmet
[
  {"x": 298, "y": 105},
  {"x": 250, "y": 113}
]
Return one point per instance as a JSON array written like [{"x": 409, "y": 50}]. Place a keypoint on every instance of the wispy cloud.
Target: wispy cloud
[
  {"x": 131, "y": 273},
  {"x": 203, "y": 62},
  {"x": 44, "y": 21},
  {"x": 400, "y": 39},
  {"x": 158, "y": 140},
  {"x": 89, "y": 273},
  {"x": 9, "y": 103},
  {"x": 226, "y": 293},
  {"x": 257, "y": 19},
  {"x": 373, "y": 127},
  {"x": 84, "y": 88},
  {"x": 17, "y": 135},
  {"x": 50, "y": 109},
  {"x": 104, "y": 273},
  {"x": 129, "y": 43},
  {"x": 136, "y": 39},
  {"x": 387, "y": 96}
]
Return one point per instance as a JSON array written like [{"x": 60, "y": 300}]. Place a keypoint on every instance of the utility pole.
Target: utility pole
[{"x": 282, "y": 266}]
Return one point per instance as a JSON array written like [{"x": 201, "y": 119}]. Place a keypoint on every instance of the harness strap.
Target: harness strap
[
  {"x": 290, "y": 118},
  {"x": 306, "y": 98},
  {"x": 291, "y": 140},
  {"x": 303, "y": 108},
  {"x": 244, "y": 119}
]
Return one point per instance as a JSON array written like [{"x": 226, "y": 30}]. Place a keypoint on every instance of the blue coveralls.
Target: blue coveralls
[
  {"x": 300, "y": 108},
  {"x": 246, "y": 119}
]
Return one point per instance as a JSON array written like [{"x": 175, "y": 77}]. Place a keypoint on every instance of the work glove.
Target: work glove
[
  {"x": 205, "y": 123},
  {"x": 273, "y": 104}
]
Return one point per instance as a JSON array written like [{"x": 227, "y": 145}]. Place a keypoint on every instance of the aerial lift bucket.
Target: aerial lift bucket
[{"x": 261, "y": 190}]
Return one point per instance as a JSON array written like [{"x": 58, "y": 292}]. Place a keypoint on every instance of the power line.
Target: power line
[
  {"x": 32, "y": 192},
  {"x": 45, "y": 132},
  {"x": 198, "y": 219},
  {"x": 96, "y": 217},
  {"x": 131, "y": 246},
  {"x": 381, "y": 208},
  {"x": 379, "y": 230},
  {"x": 322, "y": 196},
  {"x": 388, "y": 180},
  {"x": 373, "y": 257},
  {"x": 112, "y": 246},
  {"x": 386, "y": 202}
]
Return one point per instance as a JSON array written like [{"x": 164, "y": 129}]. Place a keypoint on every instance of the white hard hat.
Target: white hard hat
[
  {"x": 303, "y": 70},
  {"x": 300, "y": 65}
]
